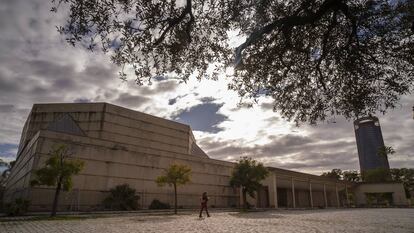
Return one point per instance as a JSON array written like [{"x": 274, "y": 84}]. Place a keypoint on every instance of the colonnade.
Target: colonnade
[
  {"x": 299, "y": 191},
  {"x": 292, "y": 180}
]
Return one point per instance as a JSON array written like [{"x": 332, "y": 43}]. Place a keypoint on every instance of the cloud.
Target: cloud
[
  {"x": 6, "y": 108},
  {"x": 38, "y": 66},
  {"x": 279, "y": 146},
  {"x": 267, "y": 106},
  {"x": 8, "y": 151},
  {"x": 11, "y": 124},
  {"x": 126, "y": 99},
  {"x": 158, "y": 87},
  {"x": 318, "y": 148},
  {"x": 82, "y": 100},
  {"x": 319, "y": 161},
  {"x": 207, "y": 99},
  {"x": 159, "y": 78},
  {"x": 203, "y": 117},
  {"x": 172, "y": 101}
]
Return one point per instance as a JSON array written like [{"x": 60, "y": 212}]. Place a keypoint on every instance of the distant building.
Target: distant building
[{"x": 369, "y": 139}]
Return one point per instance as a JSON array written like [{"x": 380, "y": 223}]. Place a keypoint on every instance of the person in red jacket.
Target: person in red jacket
[{"x": 204, "y": 200}]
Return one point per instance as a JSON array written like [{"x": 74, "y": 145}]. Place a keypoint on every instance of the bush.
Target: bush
[
  {"x": 16, "y": 208},
  {"x": 122, "y": 197},
  {"x": 158, "y": 205},
  {"x": 376, "y": 175}
]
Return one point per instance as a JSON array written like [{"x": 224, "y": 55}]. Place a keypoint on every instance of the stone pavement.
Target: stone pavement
[{"x": 286, "y": 221}]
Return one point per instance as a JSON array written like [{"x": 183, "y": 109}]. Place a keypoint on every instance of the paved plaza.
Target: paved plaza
[{"x": 345, "y": 220}]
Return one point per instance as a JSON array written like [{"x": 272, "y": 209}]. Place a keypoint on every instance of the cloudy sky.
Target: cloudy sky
[{"x": 38, "y": 66}]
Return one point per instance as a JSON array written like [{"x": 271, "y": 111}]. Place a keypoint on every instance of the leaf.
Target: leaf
[
  {"x": 58, "y": 166},
  {"x": 248, "y": 173},
  {"x": 175, "y": 174},
  {"x": 314, "y": 58}
]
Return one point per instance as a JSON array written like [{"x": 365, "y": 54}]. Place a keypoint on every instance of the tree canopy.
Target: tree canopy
[
  {"x": 334, "y": 174},
  {"x": 313, "y": 57},
  {"x": 375, "y": 175},
  {"x": 338, "y": 174},
  {"x": 58, "y": 171},
  {"x": 403, "y": 175},
  {"x": 248, "y": 174},
  {"x": 351, "y": 175},
  {"x": 406, "y": 176},
  {"x": 175, "y": 175}
]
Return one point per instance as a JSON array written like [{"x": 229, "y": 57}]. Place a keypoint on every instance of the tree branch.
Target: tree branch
[
  {"x": 345, "y": 10},
  {"x": 324, "y": 45},
  {"x": 286, "y": 24},
  {"x": 172, "y": 22}
]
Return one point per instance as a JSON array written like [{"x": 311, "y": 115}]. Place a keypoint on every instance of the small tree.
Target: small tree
[
  {"x": 58, "y": 171},
  {"x": 247, "y": 175},
  {"x": 175, "y": 175}
]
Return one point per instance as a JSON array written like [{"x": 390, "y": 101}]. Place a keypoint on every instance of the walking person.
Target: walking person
[{"x": 204, "y": 200}]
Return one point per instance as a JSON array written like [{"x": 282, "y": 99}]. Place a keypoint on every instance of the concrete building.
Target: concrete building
[
  {"x": 119, "y": 145},
  {"x": 369, "y": 139},
  {"x": 382, "y": 194}
]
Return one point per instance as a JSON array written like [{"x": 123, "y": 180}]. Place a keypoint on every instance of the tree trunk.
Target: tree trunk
[
  {"x": 55, "y": 201},
  {"x": 244, "y": 199},
  {"x": 175, "y": 196}
]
